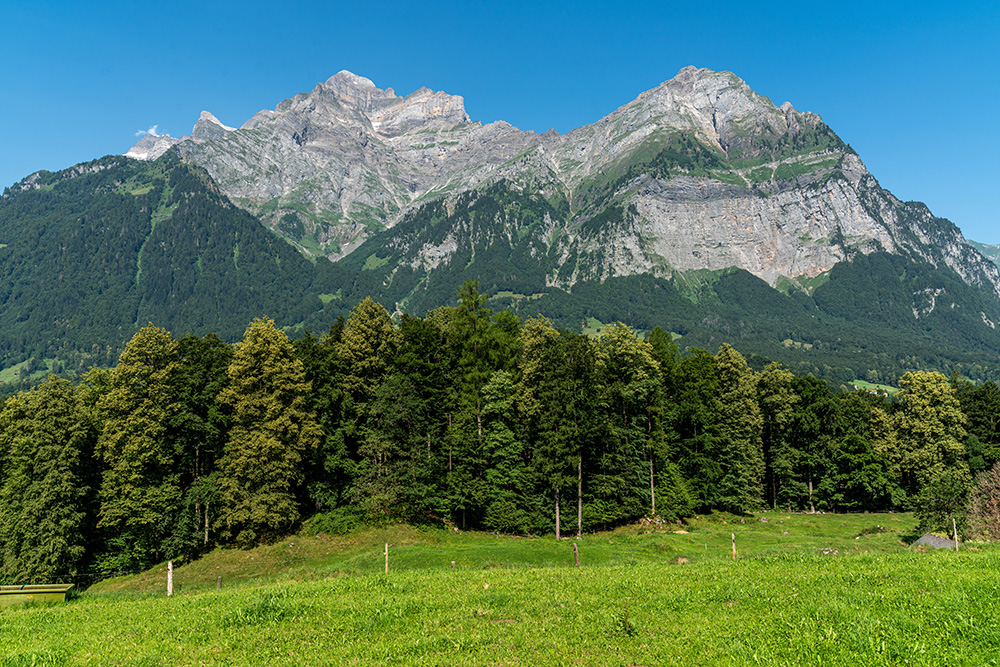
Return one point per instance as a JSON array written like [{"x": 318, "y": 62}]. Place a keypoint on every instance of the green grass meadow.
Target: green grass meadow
[{"x": 804, "y": 590}]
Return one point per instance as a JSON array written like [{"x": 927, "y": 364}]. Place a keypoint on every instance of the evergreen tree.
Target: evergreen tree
[
  {"x": 329, "y": 469},
  {"x": 399, "y": 472},
  {"x": 777, "y": 407},
  {"x": 864, "y": 476},
  {"x": 558, "y": 396},
  {"x": 364, "y": 351},
  {"x": 695, "y": 423},
  {"x": 815, "y": 433},
  {"x": 981, "y": 406},
  {"x": 477, "y": 345},
  {"x": 46, "y": 509},
  {"x": 508, "y": 478},
  {"x": 261, "y": 471},
  {"x": 671, "y": 493},
  {"x": 198, "y": 432}
]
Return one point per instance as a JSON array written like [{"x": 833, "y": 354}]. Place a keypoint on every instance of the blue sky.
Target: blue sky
[{"x": 912, "y": 86}]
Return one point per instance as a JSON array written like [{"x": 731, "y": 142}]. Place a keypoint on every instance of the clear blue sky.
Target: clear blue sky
[{"x": 912, "y": 86}]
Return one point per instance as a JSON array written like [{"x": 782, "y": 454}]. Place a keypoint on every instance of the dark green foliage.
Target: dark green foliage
[
  {"x": 261, "y": 471},
  {"x": 329, "y": 468},
  {"x": 508, "y": 474},
  {"x": 47, "y": 497},
  {"x": 739, "y": 445},
  {"x": 629, "y": 379},
  {"x": 141, "y": 487},
  {"x": 981, "y": 406},
  {"x": 198, "y": 431},
  {"x": 559, "y": 398},
  {"x": 106, "y": 246},
  {"x": 941, "y": 500},
  {"x": 695, "y": 424},
  {"x": 462, "y": 417}
]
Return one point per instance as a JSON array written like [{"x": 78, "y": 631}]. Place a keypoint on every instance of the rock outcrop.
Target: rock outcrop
[{"x": 717, "y": 177}]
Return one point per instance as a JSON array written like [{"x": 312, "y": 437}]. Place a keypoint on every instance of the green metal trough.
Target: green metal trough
[{"x": 39, "y": 594}]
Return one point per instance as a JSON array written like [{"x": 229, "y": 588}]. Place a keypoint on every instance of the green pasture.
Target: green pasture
[
  {"x": 871, "y": 386},
  {"x": 804, "y": 590}
]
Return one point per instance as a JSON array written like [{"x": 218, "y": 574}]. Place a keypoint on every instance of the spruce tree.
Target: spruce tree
[
  {"x": 261, "y": 470},
  {"x": 777, "y": 405},
  {"x": 695, "y": 424},
  {"x": 559, "y": 396},
  {"x": 507, "y": 475}
]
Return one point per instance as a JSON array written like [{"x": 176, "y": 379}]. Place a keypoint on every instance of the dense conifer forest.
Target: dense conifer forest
[{"x": 464, "y": 417}]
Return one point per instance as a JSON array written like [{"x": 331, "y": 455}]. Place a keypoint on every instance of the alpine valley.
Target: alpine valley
[{"x": 700, "y": 207}]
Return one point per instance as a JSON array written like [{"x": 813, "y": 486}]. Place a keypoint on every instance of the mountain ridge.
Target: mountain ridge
[
  {"x": 761, "y": 187},
  {"x": 699, "y": 206}
]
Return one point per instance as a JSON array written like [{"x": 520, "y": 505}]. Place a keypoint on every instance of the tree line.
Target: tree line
[{"x": 463, "y": 417}]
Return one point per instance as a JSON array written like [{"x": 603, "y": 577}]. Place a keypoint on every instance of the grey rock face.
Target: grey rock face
[
  {"x": 151, "y": 146},
  {"x": 768, "y": 189}
]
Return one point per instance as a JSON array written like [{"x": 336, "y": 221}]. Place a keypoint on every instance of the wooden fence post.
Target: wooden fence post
[
  {"x": 734, "y": 546},
  {"x": 218, "y": 584},
  {"x": 170, "y": 578},
  {"x": 954, "y": 530},
  {"x": 576, "y": 556},
  {"x": 387, "y": 558}
]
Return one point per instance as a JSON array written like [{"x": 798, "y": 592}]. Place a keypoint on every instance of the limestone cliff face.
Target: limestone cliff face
[
  {"x": 151, "y": 146},
  {"x": 713, "y": 176},
  {"x": 348, "y": 158}
]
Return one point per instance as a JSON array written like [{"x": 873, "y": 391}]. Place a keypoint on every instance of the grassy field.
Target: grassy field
[
  {"x": 870, "y": 386},
  {"x": 805, "y": 589}
]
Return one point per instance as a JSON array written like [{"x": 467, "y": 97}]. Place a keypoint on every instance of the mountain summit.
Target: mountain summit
[
  {"x": 699, "y": 206},
  {"x": 708, "y": 173}
]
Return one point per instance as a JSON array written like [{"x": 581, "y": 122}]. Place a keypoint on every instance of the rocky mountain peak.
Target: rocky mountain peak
[
  {"x": 715, "y": 175},
  {"x": 151, "y": 146},
  {"x": 346, "y": 78},
  {"x": 356, "y": 92},
  {"x": 209, "y": 127},
  {"x": 391, "y": 115}
]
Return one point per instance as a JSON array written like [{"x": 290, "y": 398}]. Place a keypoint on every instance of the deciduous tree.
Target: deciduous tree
[
  {"x": 46, "y": 508},
  {"x": 141, "y": 490},
  {"x": 260, "y": 472}
]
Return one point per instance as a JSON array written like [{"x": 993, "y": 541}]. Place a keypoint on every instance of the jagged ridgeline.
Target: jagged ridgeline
[
  {"x": 90, "y": 254},
  {"x": 700, "y": 207}
]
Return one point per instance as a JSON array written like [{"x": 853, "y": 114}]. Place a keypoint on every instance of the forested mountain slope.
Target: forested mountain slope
[
  {"x": 90, "y": 254},
  {"x": 711, "y": 174},
  {"x": 700, "y": 207}
]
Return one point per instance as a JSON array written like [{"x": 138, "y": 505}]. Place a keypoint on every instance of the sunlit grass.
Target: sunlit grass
[{"x": 819, "y": 589}]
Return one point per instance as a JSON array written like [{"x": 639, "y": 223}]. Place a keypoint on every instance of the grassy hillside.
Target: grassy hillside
[{"x": 805, "y": 590}]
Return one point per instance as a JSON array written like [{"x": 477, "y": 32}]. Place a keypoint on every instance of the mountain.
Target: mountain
[
  {"x": 717, "y": 177},
  {"x": 700, "y": 207},
  {"x": 90, "y": 254},
  {"x": 990, "y": 252}
]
